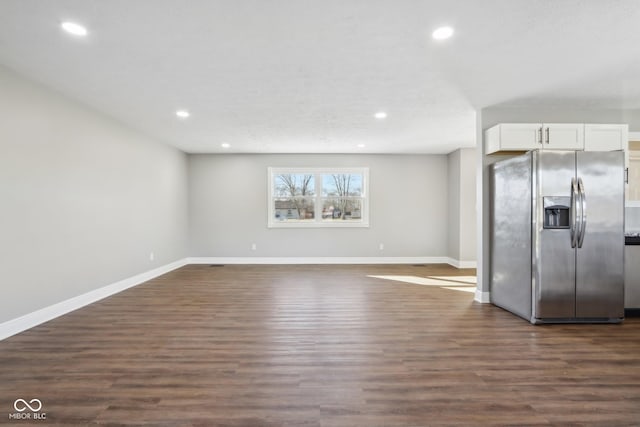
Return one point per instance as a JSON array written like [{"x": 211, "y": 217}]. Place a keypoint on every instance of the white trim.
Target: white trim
[
  {"x": 318, "y": 222},
  {"x": 28, "y": 321},
  {"x": 461, "y": 264},
  {"x": 325, "y": 224},
  {"x": 482, "y": 297},
  {"x": 330, "y": 260},
  {"x": 634, "y": 136}
]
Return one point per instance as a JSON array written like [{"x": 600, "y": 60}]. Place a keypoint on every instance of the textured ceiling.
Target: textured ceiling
[{"x": 306, "y": 76}]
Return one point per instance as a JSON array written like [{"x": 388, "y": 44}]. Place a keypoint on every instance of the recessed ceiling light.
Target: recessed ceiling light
[
  {"x": 73, "y": 28},
  {"x": 380, "y": 115},
  {"x": 442, "y": 33},
  {"x": 225, "y": 145},
  {"x": 183, "y": 114},
  {"x": 361, "y": 145}
]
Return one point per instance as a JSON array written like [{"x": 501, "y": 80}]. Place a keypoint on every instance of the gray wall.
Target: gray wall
[
  {"x": 228, "y": 208},
  {"x": 84, "y": 200},
  {"x": 453, "y": 183},
  {"x": 488, "y": 117},
  {"x": 467, "y": 204},
  {"x": 462, "y": 204}
]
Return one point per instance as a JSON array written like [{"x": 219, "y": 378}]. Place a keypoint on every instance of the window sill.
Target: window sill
[{"x": 318, "y": 225}]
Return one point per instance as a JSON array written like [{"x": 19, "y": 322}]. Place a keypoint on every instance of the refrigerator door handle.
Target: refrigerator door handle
[
  {"x": 574, "y": 219},
  {"x": 583, "y": 213}
]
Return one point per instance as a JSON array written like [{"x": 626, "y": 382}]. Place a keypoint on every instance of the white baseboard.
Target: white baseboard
[
  {"x": 461, "y": 264},
  {"x": 17, "y": 325},
  {"x": 320, "y": 260},
  {"x": 332, "y": 260},
  {"x": 482, "y": 297}
]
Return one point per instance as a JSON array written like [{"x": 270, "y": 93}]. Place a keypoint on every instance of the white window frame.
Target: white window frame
[{"x": 317, "y": 221}]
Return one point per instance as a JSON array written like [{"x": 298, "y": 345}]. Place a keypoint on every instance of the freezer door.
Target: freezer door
[
  {"x": 511, "y": 235},
  {"x": 600, "y": 259},
  {"x": 554, "y": 258}
]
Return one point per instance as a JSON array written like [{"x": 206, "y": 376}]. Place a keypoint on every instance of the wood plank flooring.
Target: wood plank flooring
[{"x": 318, "y": 346}]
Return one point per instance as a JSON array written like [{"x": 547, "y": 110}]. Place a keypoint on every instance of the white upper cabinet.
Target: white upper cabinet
[
  {"x": 555, "y": 136},
  {"x": 605, "y": 137},
  {"x": 563, "y": 136},
  {"x": 513, "y": 137},
  {"x": 531, "y": 136}
]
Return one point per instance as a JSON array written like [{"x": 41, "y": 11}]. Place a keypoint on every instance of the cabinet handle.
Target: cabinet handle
[
  {"x": 547, "y": 131},
  {"x": 626, "y": 175},
  {"x": 540, "y": 136}
]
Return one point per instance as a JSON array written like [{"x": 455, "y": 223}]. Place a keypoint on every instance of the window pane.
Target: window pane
[
  {"x": 318, "y": 197},
  {"x": 342, "y": 184},
  {"x": 291, "y": 185},
  {"x": 334, "y": 209},
  {"x": 293, "y": 209}
]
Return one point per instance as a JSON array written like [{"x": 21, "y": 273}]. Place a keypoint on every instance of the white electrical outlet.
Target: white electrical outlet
[
  {"x": 381, "y": 246},
  {"x": 152, "y": 256},
  {"x": 254, "y": 246}
]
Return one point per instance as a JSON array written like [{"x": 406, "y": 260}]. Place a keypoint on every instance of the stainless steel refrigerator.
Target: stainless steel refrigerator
[{"x": 557, "y": 236}]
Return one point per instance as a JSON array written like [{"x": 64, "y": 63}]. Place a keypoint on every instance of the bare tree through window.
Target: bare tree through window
[
  {"x": 297, "y": 189},
  {"x": 318, "y": 197},
  {"x": 342, "y": 196}
]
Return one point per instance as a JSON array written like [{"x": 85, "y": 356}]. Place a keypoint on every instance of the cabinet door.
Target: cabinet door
[
  {"x": 633, "y": 163},
  {"x": 563, "y": 136},
  {"x": 605, "y": 137},
  {"x": 520, "y": 136},
  {"x": 631, "y": 277},
  {"x": 633, "y": 194}
]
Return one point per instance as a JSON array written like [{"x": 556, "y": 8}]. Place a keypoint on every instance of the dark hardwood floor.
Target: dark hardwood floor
[{"x": 318, "y": 346}]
